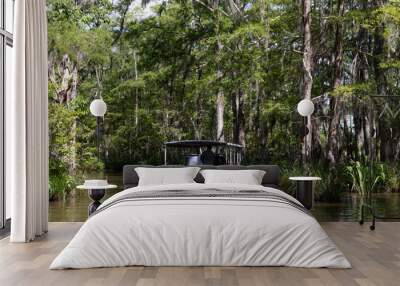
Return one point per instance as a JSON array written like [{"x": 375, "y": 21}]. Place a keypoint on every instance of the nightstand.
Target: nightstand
[
  {"x": 96, "y": 193},
  {"x": 305, "y": 192}
]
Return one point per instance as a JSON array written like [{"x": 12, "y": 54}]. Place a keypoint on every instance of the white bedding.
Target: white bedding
[{"x": 200, "y": 231}]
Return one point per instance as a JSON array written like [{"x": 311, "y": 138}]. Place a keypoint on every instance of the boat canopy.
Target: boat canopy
[
  {"x": 231, "y": 151},
  {"x": 199, "y": 143}
]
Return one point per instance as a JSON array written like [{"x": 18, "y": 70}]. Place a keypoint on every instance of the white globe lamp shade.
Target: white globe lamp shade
[
  {"x": 305, "y": 107},
  {"x": 98, "y": 107}
]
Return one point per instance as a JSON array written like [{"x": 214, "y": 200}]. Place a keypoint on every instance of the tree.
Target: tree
[
  {"x": 307, "y": 71},
  {"x": 336, "y": 105}
]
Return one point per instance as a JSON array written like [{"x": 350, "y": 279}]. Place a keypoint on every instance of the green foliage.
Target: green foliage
[
  {"x": 61, "y": 121},
  {"x": 332, "y": 185},
  {"x": 351, "y": 90},
  {"x": 366, "y": 178},
  {"x": 329, "y": 189},
  {"x": 60, "y": 186},
  {"x": 287, "y": 185},
  {"x": 392, "y": 175},
  {"x": 392, "y": 64}
]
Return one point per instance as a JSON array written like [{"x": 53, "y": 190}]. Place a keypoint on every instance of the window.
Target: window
[
  {"x": 9, "y": 15},
  {"x": 6, "y": 64}
]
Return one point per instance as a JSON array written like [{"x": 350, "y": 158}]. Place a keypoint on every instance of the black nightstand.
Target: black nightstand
[
  {"x": 96, "y": 193},
  {"x": 305, "y": 192}
]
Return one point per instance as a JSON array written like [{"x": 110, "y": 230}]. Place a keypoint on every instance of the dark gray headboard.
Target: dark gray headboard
[{"x": 271, "y": 177}]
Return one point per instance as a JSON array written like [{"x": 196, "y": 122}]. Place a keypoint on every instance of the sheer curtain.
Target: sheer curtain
[{"x": 27, "y": 145}]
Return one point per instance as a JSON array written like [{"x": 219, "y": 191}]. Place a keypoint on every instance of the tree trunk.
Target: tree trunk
[
  {"x": 371, "y": 133},
  {"x": 259, "y": 125},
  {"x": 136, "y": 92},
  {"x": 336, "y": 104},
  {"x": 238, "y": 118},
  {"x": 358, "y": 130},
  {"x": 307, "y": 73},
  {"x": 261, "y": 132},
  {"x": 220, "y": 114},
  {"x": 360, "y": 73},
  {"x": 220, "y": 103},
  {"x": 385, "y": 134},
  {"x": 65, "y": 80},
  {"x": 200, "y": 111},
  {"x": 135, "y": 59},
  {"x": 74, "y": 84},
  {"x": 73, "y": 161},
  {"x": 264, "y": 19},
  {"x": 67, "y": 90}
]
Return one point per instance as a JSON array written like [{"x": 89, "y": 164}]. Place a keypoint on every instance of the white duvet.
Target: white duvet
[{"x": 202, "y": 232}]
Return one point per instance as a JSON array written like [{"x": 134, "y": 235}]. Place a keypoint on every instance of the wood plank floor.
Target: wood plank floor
[{"x": 375, "y": 257}]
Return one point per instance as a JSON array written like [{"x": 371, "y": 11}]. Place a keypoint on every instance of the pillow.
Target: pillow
[
  {"x": 248, "y": 177},
  {"x": 166, "y": 176}
]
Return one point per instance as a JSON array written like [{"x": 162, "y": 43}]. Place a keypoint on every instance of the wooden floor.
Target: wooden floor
[{"x": 375, "y": 257}]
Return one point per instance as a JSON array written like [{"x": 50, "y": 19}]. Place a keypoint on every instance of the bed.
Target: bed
[{"x": 197, "y": 224}]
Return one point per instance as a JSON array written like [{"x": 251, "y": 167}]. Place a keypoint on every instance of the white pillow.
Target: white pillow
[
  {"x": 248, "y": 177},
  {"x": 166, "y": 176}
]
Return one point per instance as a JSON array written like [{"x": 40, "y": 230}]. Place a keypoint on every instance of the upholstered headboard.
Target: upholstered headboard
[{"x": 271, "y": 177}]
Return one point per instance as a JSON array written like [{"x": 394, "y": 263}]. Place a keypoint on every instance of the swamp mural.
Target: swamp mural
[{"x": 233, "y": 71}]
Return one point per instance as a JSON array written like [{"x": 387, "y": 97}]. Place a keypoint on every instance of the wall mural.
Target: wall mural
[{"x": 231, "y": 71}]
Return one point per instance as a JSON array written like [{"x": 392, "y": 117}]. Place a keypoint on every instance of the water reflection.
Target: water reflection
[
  {"x": 74, "y": 208},
  {"x": 386, "y": 204}
]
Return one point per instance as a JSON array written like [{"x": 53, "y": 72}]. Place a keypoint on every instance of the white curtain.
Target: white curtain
[{"x": 27, "y": 124}]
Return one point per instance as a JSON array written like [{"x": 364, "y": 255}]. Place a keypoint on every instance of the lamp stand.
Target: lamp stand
[
  {"x": 98, "y": 137},
  {"x": 305, "y": 141}
]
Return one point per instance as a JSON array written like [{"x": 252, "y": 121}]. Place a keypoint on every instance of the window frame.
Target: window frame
[{"x": 6, "y": 39}]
